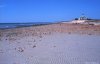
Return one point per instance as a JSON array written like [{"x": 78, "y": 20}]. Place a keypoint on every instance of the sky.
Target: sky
[{"x": 47, "y": 10}]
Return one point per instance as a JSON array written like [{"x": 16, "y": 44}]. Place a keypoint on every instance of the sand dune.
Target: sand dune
[{"x": 51, "y": 44}]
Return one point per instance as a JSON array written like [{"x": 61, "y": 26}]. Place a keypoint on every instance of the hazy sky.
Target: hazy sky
[{"x": 47, "y": 10}]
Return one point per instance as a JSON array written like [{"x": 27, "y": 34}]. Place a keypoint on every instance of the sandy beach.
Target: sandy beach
[{"x": 62, "y": 43}]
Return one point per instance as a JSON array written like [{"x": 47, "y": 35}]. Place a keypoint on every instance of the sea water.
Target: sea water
[{"x": 15, "y": 25}]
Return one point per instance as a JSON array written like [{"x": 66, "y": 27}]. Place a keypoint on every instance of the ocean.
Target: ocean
[{"x": 17, "y": 25}]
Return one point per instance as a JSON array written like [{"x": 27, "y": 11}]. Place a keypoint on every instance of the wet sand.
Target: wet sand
[{"x": 51, "y": 44}]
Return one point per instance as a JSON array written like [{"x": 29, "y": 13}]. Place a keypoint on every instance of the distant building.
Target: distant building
[
  {"x": 83, "y": 17},
  {"x": 80, "y": 19},
  {"x": 84, "y": 20}
]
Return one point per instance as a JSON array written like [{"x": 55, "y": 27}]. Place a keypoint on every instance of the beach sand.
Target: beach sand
[{"x": 51, "y": 44}]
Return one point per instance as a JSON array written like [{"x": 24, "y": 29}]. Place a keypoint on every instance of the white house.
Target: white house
[
  {"x": 85, "y": 20},
  {"x": 81, "y": 19}
]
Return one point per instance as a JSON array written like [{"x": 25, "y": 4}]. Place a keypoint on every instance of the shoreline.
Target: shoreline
[{"x": 60, "y": 28}]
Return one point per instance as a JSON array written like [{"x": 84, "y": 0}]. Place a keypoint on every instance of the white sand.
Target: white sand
[{"x": 57, "y": 48}]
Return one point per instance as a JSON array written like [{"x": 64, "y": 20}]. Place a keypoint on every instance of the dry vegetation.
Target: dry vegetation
[{"x": 48, "y": 29}]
